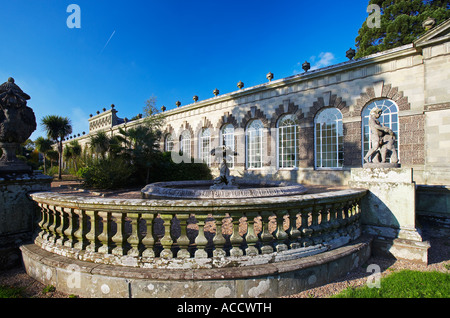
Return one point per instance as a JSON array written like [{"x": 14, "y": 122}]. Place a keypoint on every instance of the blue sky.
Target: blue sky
[{"x": 127, "y": 51}]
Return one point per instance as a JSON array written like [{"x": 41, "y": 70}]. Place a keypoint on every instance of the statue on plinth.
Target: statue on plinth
[
  {"x": 224, "y": 180},
  {"x": 382, "y": 142},
  {"x": 17, "y": 123}
]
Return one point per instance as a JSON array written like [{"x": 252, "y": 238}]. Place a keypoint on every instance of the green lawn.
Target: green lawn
[{"x": 405, "y": 284}]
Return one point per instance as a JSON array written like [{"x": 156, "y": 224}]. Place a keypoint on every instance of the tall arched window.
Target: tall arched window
[
  {"x": 388, "y": 118},
  {"x": 205, "y": 145},
  {"x": 185, "y": 143},
  {"x": 168, "y": 143},
  {"x": 228, "y": 141},
  {"x": 329, "y": 134},
  {"x": 287, "y": 142},
  {"x": 254, "y": 141}
]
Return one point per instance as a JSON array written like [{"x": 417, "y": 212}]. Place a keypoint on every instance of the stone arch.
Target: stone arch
[
  {"x": 287, "y": 107},
  {"x": 255, "y": 113},
  {"x": 327, "y": 100},
  {"x": 226, "y": 119}
]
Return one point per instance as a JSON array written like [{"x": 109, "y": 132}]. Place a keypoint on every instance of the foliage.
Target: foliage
[
  {"x": 401, "y": 23},
  {"x": 10, "y": 292},
  {"x": 72, "y": 151},
  {"x": 167, "y": 170},
  {"x": 57, "y": 129},
  {"x": 405, "y": 284},
  {"x": 107, "y": 173},
  {"x": 44, "y": 146}
]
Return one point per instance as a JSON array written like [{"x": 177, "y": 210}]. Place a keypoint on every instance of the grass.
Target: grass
[
  {"x": 10, "y": 292},
  {"x": 405, "y": 284}
]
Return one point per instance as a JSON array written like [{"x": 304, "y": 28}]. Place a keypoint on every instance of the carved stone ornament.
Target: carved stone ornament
[{"x": 17, "y": 123}]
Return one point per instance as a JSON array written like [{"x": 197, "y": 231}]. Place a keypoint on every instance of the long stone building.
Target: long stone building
[{"x": 313, "y": 127}]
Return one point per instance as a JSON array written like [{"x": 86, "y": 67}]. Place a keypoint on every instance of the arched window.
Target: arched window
[
  {"x": 185, "y": 143},
  {"x": 228, "y": 141},
  {"x": 205, "y": 145},
  {"x": 388, "y": 118},
  {"x": 329, "y": 134},
  {"x": 287, "y": 142},
  {"x": 168, "y": 143},
  {"x": 254, "y": 141}
]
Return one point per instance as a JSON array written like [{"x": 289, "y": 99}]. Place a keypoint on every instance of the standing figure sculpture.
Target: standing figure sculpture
[
  {"x": 224, "y": 180},
  {"x": 382, "y": 141}
]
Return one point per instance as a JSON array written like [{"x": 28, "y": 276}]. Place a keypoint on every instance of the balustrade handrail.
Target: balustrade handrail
[{"x": 159, "y": 228}]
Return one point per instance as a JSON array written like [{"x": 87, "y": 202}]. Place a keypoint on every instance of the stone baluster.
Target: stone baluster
[
  {"x": 51, "y": 237},
  {"x": 325, "y": 222},
  {"x": 45, "y": 221},
  {"x": 305, "y": 229},
  {"x": 265, "y": 235},
  {"x": 334, "y": 221},
  {"x": 183, "y": 241},
  {"x": 105, "y": 236},
  {"x": 166, "y": 241},
  {"x": 315, "y": 226},
  {"x": 91, "y": 236},
  {"x": 80, "y": 233},
  {"x": 236, "y": 239},
  {"x": 250, "y": 236},
  {"x": 280, "y": 234},
  {"x": 135, "y": 237},
  {"x": 119, "y": 239},
  {"x": 148, "y": 241},
  {"x": 219, "y": 240},
  {"x": 293, "y": 231},
  {"x": 70, "y": 229},
  {"x": 201, "y": 240},
  {"x": 63, "y": 216},
  {"x": 58, "y": 217}
]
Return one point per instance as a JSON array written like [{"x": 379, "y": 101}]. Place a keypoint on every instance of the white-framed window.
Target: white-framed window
[
  {"x": 287, "y": 142},
  {"x": 205, "y": 146},
  {"x": 169, "y": 143},
  {"x": 185, "y": 143},
  {"x": 329, "y": 139},
  {"x": 228, "y": 141},
  {"x": 388, "y": 118},
  {"x": 254, "y": 142}
]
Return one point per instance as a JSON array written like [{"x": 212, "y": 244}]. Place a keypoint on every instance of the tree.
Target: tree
[
  {"x": 72, "y": 151},
  {"x": 57, "y": 128},
  {"x": 153, "y": 118},
  {"x": 101, "y": 144},
  {"x": 43, "y": 145},
  {"x": 401, "y": 23}
]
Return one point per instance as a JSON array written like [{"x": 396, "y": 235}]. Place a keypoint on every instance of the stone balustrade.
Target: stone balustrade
[{"x": 196, "y": 233}]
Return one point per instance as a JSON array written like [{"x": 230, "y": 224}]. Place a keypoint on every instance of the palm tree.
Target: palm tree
[
  {"x": 43, "y": 145},
  {"x": 73, "y": 151},
  {"x": 101, "y": 144},
  {"x": 57, "y": 128}
]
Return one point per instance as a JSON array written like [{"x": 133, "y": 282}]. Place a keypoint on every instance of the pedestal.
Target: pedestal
[
  {"x": 389, "y": 212},
  {"x": 18, "y": 213}
]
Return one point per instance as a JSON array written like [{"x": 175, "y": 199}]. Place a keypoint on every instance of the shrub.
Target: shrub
[{"x": 107, "y": 173}]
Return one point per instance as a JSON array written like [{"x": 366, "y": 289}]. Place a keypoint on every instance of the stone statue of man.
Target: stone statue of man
[{"x": 382, "y": 140}]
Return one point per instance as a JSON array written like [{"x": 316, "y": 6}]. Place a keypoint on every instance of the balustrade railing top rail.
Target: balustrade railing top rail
[{"x": 105, "y": 229}]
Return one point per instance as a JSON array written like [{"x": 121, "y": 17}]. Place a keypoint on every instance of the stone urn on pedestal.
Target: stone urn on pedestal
[{"x": 17, "y": 123}]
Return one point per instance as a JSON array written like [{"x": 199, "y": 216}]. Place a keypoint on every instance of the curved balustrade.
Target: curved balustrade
[{"x": 146, "y": 233}]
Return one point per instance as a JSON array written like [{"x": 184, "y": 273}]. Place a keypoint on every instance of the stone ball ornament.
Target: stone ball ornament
[{"x": 17, "y": 123}]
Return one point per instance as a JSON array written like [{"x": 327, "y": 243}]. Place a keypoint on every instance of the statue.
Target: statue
[
  {"x": 224, "y": 180},
  {"x": 17, "y": 123},
  {"x": 382, "y": 142}
]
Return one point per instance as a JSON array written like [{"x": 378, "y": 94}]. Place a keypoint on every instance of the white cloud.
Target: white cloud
[{"x": 323, "y": 60}]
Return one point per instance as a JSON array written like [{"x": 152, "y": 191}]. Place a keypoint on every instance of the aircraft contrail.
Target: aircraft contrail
[{"x": 107, "y": 42}]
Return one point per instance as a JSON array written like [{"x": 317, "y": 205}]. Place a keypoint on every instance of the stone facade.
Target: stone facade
[{"x": 415, "y": 77}]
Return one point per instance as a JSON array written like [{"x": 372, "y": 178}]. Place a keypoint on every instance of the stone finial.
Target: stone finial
[
  {"x": 306, "y": 66},
  {"x": 350, "y": 54},
  {"x": 240, "y": 84},
  {"x": 269, "y": 76},
  {"x": 163, "y": 108},
  {"x": 112, "y": 105},
  {"x": 216, "y": 92},
  {"x": 178, "y": 103},
  {"x": 195, "y": 98},
  {"x": 429, "y": 23}
]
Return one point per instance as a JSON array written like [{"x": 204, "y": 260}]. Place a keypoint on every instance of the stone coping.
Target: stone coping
[
  {"x": 248, "y": 189},
  {"x": 200, "y": 206}
]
